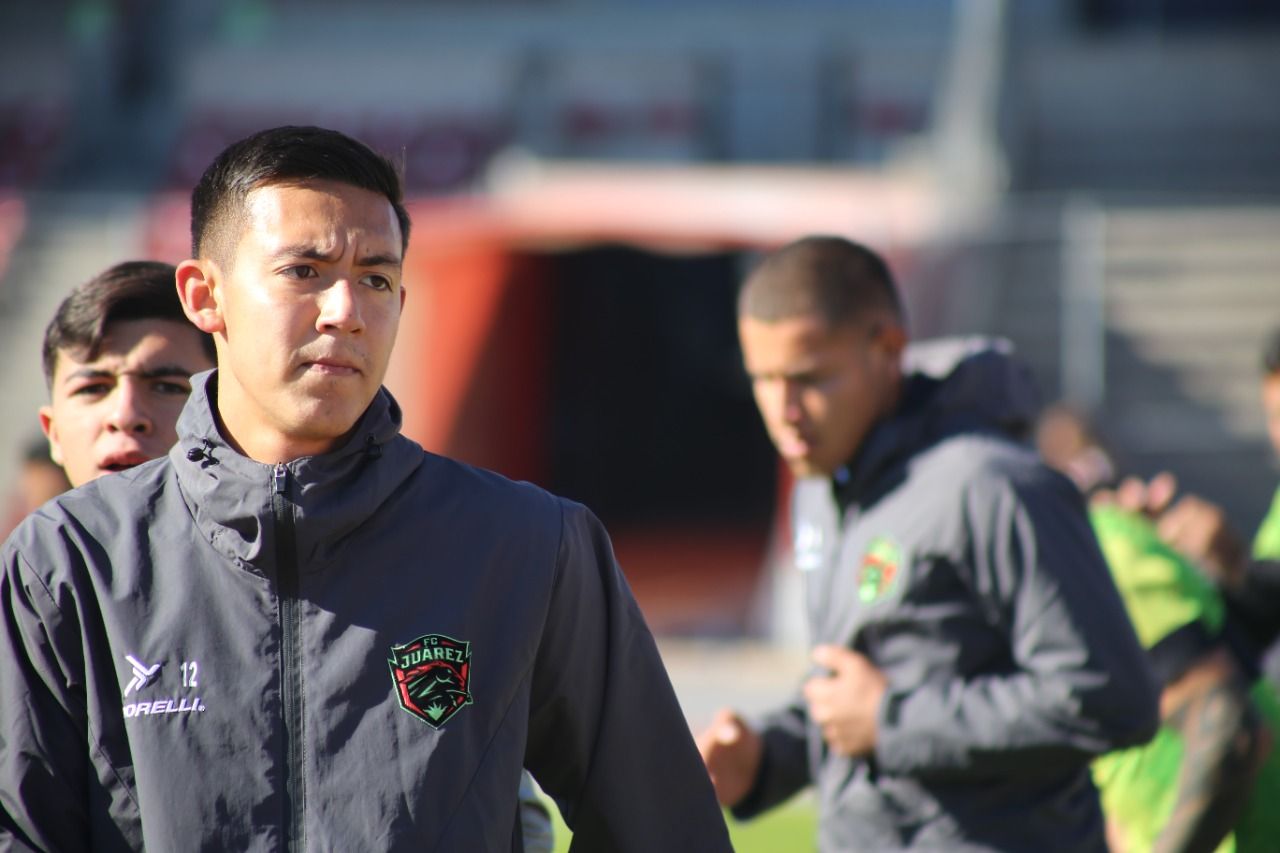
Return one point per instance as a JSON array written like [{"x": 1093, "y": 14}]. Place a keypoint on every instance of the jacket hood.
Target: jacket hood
[
  {"x": 950, "y": 386},
  {"x": 330, "y": 494}
]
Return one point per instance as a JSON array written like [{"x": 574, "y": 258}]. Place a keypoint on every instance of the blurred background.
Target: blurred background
[{"x": 1097, "y": 180}]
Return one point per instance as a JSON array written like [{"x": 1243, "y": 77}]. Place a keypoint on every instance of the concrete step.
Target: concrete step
[
  {"x": 1194, "y": 326},
  {"x": 1169, "y": 426},
  {"x": 1237, "y": 405},
  {"x": 1160, "y": 224}
]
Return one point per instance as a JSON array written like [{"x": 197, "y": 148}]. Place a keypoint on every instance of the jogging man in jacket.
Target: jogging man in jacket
[
  {"x": 971, "y": 652},
  {"x": 301, "y": 630}
]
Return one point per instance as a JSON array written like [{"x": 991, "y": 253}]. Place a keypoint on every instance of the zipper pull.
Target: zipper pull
[{"x": 279, "y": 478}]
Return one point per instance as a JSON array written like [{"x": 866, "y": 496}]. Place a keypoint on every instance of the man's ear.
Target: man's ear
[
  {"x": 50, "y": 429},
  {"x": 198, "y": 289},
  {"x": 892, "y": 338}
]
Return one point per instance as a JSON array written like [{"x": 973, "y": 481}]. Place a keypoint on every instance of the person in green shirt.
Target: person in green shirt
[
  {"x": 1248, "y": 577},
  {"x": 1210, "y": 778},
  {"x": 1266, "y": 544}
]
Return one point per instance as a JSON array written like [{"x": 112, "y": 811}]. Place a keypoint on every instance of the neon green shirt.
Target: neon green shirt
[
  {"x": 1163, "y": 593},
  {"x": 1266, "y": 544}
]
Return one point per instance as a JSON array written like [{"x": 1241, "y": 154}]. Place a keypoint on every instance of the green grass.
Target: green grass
[{"x": 790, "y": 828}]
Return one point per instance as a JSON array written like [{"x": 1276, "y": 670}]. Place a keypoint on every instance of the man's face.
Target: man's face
[
  {"x": 121, "y": 409},
  {"x": 306, "y": 316},
  {"x": 1271, "y": 407},
  {"x": 820, "y": 389}
]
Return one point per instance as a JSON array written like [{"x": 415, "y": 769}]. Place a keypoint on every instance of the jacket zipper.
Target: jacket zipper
[{"x": 290, "y": 654}]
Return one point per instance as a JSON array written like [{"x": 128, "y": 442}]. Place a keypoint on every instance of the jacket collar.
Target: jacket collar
[
  {"x": 230, "y": 496},
  {"x": 951, "y": 386}
]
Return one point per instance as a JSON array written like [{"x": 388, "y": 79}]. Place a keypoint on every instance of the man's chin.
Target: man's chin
[
  {"x": 328, "y": 425},
  {"x": 802, "y": 467}
]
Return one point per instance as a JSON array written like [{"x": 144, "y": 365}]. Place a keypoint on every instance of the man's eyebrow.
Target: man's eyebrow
[
  {"x": 311, "y": 253},
  {"x": 90, "y": 373},
  {"x": 163, "y": 370},
  {"x": 305, "y": 251},
  {"x": 159, "y": 370},
  {"x": 379, "y": 261}
]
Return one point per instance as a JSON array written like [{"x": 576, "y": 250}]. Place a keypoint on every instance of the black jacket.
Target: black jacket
[{"x": 353, "y": 651}]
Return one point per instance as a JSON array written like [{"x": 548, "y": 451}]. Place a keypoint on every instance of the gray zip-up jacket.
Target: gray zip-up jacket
[
  {"x": 967, "y": 572},
  {"x": 353, "y": 651}
]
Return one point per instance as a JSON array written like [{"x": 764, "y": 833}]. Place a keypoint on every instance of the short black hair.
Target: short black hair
[
  {"x": 837, "y": 279},
  {"x": 133, "y": 290},
  {"x": 283, "y": 155},
  {"x": 1271, "y": 354}
]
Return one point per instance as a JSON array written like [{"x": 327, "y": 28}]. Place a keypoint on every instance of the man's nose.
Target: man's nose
[
  {"x": 791, "y": 406},
  {"x": 340, "y": 308},
  {"x": 127, "y": 413}
]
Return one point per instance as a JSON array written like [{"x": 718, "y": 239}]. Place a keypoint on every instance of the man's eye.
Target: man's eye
[
  {"x": 175, "y": 388},
  {"x": 300, "y": 271},
  {"x": 92, "y": 389},
  {"x": 800, "y": 381},
  {"x": 377, "y": 282}
]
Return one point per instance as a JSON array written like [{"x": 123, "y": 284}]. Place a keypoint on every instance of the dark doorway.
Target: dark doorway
[
  {"x": 652, "y": 419},
  {"x": 652, "y": 425}
]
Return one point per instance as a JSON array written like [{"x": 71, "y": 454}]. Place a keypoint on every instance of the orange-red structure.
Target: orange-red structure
[{"x": 472, "y": 368}]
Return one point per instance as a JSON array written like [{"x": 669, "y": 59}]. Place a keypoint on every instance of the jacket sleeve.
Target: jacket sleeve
[
  {"x": 1077, "y": 683},
  {"x": 1254, "y": 605},
  {"x": 607, "y": 738},
  {"x": 43, "y": 756},
  {"x": 784, "y": 765}
]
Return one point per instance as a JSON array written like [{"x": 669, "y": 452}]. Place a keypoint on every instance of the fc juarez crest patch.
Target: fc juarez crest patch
[
  {"x": 879, "y": 569},
  {"x": 432, "y": 675}
]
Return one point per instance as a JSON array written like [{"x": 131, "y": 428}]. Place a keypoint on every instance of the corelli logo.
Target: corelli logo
[
  {"x": 431, "y": 675},
  {"x": 141, "y": 674},
  {"x": 807, "y": 546},
  {"x": 144, "y": 675}
]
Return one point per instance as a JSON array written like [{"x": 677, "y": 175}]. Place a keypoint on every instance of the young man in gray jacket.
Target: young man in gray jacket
[
  {"x": 301, "y": 631},
  {"x": 118, "y": 358},
  {"x": 971, "y": 652}
]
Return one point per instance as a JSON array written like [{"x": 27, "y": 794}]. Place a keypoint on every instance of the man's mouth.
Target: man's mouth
[
  {"x": 332, "y": 367},
  {"x": 793, "y": 447},
  {"x": 123, "y": 461}
]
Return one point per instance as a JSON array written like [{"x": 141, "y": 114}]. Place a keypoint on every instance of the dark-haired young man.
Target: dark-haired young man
[
  {"x": 118, "y": 359},
  {"x": 302, "y": 631},
  {"x": 972, "y": 653}
]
